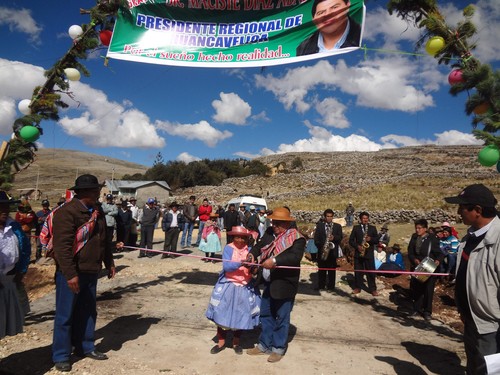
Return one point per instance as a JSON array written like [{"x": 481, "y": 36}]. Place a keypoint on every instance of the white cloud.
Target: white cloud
[
  {"x": 454, "y": 137},
  {"x": 187, "y": 158},
  {"x": 395, "y": 140},
  {"x": 17, "y": 81},
  {"x": 332, "y": 112},
  {"x": 108, "y": 124},
  {"x": 246, "y": 155},
  {"x": 381, "y": 83},
  {"x": 201, "y": 131},
  {"x": 391, "y": 29},
  {"x": 446, "y": 138},
  {"x": 322, "y": 140},
  {"x": 231, "y": 109},
  {"x": 20, "y": 20},
  {"x": 101, "y": 124},
  {"x": 261, "y": 117}
]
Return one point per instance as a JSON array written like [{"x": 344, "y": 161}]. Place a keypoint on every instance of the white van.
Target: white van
[{"x": 248, "y": 200}]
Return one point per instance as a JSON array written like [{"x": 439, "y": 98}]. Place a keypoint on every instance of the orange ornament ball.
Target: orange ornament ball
[{"x": 482, "y": 108}]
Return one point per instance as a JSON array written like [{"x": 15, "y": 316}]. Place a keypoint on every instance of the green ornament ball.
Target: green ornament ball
[
  {"x": 29, "y": 133},
  {"x": 489, "y": 156}
]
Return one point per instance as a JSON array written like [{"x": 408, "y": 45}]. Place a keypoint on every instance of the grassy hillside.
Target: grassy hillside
[{"x": 56, "y": 170}]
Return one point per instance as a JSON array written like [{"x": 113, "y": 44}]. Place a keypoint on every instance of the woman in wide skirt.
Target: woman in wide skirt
[
  {"x": 210, "y": 239},
  {"x": 235, "y": 301},
  {"x": 15, "y": 252}
]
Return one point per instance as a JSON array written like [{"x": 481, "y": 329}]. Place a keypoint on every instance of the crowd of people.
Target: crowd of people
[{"x": 263, "y": 248}]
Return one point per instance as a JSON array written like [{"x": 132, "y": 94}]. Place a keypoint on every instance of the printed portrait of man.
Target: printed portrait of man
[{"x": 335, "y": 28}]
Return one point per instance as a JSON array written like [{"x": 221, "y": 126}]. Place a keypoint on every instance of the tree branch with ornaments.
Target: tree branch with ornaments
[
  {"x": 46, "y": 100},
  {"x": 454, "y": 46}
]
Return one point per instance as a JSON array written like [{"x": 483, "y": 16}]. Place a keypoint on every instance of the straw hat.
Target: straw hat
[
  {"x": 239, "y": 231},
  {"x": 281, "y": 214}
]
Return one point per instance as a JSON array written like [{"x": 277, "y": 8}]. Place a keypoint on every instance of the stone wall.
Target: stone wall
[{"x": 434, "y": 217}]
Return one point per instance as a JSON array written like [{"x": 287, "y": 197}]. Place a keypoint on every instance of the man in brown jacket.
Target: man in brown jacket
[{"x": 80, "y": 248}]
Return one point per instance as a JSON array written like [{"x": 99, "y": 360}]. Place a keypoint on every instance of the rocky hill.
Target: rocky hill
[
  {"x": 55, "y": 170},
  {"x": 393, "y": 185}
]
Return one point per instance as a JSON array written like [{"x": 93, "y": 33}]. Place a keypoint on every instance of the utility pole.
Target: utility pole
[{"x": 36, "y": 186}]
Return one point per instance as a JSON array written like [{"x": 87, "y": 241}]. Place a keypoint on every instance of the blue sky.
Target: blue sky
[{"x": 351, "y": 102}]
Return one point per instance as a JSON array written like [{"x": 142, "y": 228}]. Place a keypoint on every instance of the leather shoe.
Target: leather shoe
[
  {"x": 97, "y": 355},
  {"x": 274, "y": 357},
  {"x": 63, "y": 366},
  {"x": 356, "y": 291},
  {"x": 238, "y": 349},
  {"x": 217, "y": 349},
  {"x": 374, "y": 293},
  {"x": 255, "y": 351},
  {"x": 427, "y": 317}
]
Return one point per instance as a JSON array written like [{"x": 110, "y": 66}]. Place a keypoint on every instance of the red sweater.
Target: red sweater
[{"x": 204, "y": 212}]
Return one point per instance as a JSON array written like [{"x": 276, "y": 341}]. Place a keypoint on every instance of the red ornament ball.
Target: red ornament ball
[
  {"x": 105, "y": 37},
  {"x": 455, "y": 77}
]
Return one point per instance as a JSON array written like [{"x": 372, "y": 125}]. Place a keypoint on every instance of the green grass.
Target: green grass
[{"x": 413, "y": 194}]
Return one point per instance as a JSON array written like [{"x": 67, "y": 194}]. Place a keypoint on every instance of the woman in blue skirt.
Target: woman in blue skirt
[{"x": 235, "y": 301}]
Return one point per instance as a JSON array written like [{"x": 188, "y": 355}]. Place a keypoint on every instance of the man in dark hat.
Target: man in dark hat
[
  {"x": 286, "y": 249},
  {"x": 478, "y": 275},
  {"x": 172, "y": 224},
  {"x": 41, "y": 216},
  {"x": 80, "y": 248}
]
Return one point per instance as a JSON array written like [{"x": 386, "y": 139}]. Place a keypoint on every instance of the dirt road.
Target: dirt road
[{"x": 151, "y": 321}]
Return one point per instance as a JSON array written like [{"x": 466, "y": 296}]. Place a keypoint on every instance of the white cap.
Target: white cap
[{"x": 252, "y": 207}]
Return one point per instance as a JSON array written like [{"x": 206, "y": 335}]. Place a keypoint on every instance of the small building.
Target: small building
[{"x": 140, "y": 190}]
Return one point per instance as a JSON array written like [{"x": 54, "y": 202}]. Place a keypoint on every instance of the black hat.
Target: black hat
[
  {"x": 4, "y": 198},
  {"x": 86, "y": 181},
  {"x": 45, "y": 202},
  {"x": 474, "y": 194}
]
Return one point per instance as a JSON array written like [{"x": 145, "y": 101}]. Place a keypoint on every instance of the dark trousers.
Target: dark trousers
[
  {"x": 110, "y": 231},
  {"x": 171, "y": 238},
  {"x": 75, "y": 317},
  {"x": 122, "y": 234},
  {"x": 477, "y": 346},
  {"x": 147, "y": 238},
  {"x": 364, "y": 264},
  {"x": 330, "y": 262},
  {"x": 422, "y": 294}
]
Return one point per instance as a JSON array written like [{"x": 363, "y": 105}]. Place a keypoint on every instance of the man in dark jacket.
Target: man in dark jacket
[
  {"x": 363, "y": 239},
  {"x": 281, "y": 284},
  {"x": 172, "y": 224},
  {"x": 80, "y": 248},
  {"x": 335, "y": 28},
  {"x": 148, "y": 220},
  {"x": 231, "y": 219},
  {"x": 330, "y": 233},
  {"x": 123, "y": 223},
  {"x": 423, "y": 244}
]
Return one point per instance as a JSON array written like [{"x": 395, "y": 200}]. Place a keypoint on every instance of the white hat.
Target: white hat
[{"x": 252, "y": 207}]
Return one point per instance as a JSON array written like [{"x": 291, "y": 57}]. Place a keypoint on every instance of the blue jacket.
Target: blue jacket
[{"x": 24, "y": 247}]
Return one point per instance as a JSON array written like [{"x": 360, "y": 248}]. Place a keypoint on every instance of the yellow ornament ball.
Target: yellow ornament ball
[{"x": 434, "y": 45}]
